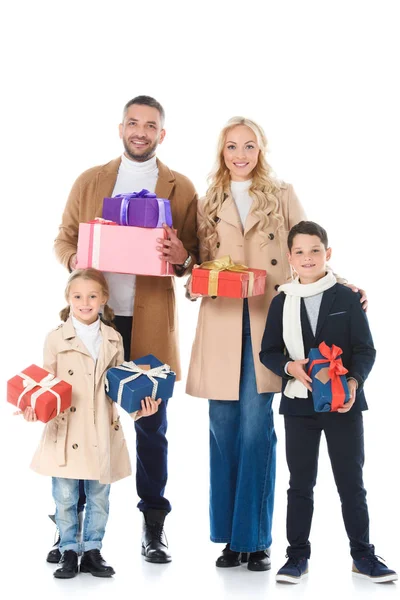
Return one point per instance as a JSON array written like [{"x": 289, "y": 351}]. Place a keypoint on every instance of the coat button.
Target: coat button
[
  {"x": 116, "y": 427},
  {"x": 277, "y": 287},
  {"x": 73, "y": 409},
  {"x": 271, "y": 236},
  {"x": 274, "y": 261},
  {"x": 218, "y": 244},
  {"x": 70, "y": 372},
  {"x": 74, "y": 446}
]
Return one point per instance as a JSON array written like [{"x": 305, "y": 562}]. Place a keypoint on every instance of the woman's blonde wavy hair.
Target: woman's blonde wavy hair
[
  {"x": 90, "y": 275},
  {"x": 263, "y": 190}
]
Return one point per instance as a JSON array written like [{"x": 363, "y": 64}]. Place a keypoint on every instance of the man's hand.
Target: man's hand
[
  {"x": 149, "y": 407},
  {"x": 72, "y": 262},
  {"x": 296, "y": 368},
  {"x": 172, "y": 250},
  {"x": 364, "y": 299},
  {"x": 352, "y": 389}
]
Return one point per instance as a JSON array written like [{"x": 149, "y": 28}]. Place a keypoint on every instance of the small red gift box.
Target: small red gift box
[
  {"x": 38, "y": 388},
  {"x": 222, "y": 277}
]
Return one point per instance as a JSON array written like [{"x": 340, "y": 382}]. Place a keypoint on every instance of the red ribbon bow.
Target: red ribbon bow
[{"x": 336, "y": 369}]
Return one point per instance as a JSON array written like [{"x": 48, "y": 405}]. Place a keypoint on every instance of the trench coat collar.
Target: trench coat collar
[{"x": 108, "y": 176}]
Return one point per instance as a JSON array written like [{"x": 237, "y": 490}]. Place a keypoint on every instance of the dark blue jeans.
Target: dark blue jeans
[
  {"x": 242, "y": 461},
  {"x": 151, "y": 443}
]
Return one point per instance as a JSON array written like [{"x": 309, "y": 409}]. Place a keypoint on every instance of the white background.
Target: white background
[{"x": 322, "y": 79}]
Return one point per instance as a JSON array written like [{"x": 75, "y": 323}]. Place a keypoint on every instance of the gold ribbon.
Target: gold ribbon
[{"x": 225, "y": 263}]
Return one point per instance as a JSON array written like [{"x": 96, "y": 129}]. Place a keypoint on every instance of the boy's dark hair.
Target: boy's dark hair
[
  {"x": 146, "y": 101},
  {"x": 308, "y": 228}
]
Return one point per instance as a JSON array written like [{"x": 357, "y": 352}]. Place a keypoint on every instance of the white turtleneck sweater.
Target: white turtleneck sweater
[
  {"x": 242, "y": 198},
  {"x": 132, "y": 177},
  {"x": 90, "y": 335}
]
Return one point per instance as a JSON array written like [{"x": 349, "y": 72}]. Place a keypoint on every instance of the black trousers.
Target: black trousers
[{"x": 345, "y": 440}]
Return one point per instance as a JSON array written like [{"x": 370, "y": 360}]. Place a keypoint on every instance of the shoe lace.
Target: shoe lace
[
  {"x": 293, "y": 561},
  {"x": 374, "y": 559},
  {"x": 157, "y": 530}
]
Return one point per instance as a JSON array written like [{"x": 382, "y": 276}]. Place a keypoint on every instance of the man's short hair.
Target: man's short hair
[
  {"x": 307, "y": 228},
  {"x": 146, "y": 101}
]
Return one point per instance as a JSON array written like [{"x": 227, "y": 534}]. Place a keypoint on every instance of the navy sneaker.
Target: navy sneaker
[
  {"x": 293, "y": 570},
  {"x": 370, "y": 567}
]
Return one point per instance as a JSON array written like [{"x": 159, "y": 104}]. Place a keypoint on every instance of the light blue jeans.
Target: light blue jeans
[
  {"x": 66, "y": 496},
  {"x": 242, "y": 461}
]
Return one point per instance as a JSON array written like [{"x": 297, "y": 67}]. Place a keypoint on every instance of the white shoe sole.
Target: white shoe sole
[
  {"x": 383, "y": 579},
  {"x": 288, "y": 579}
]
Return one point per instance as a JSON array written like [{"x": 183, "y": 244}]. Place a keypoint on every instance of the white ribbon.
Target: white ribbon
[
  {"x": 44, "y": 385},
  {"x": 96, "y": 246},
  {"x": 161, "y": 372}
]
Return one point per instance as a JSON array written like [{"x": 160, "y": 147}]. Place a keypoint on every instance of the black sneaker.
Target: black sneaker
[
  {"x": 371, "y": 567},
  {"x": 293, "y": 570}
]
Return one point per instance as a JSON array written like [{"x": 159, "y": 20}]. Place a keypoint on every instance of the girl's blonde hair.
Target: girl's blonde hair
[
  {"x": 263, "y": 190},
  {"x": 89, "y": 275}
]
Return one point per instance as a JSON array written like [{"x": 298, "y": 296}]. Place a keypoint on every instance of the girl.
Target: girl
[{"x": 85, "y": 442}]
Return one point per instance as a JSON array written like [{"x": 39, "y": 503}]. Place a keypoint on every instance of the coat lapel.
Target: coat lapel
[
  {"x": 71, "y": 340},
  {"x": 229, "y": 212},
  {"x": 108, "y": 350},
  {"x": 326, "y": 303},
  {"x": 106, "y": 182},
  {"x": 308, "y": 336},
  {"x": 165, "y": 182}
]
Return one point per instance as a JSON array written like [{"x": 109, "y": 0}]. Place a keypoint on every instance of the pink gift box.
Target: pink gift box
[{"x": 119, "y": 249}]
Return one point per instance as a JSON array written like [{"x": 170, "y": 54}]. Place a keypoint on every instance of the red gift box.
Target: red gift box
[
  {"x": 222, "y": 277},
  {"x": 38, "y": 388}
]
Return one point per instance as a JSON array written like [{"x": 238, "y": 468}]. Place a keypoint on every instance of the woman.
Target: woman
[{"x": 247, "y": 214}]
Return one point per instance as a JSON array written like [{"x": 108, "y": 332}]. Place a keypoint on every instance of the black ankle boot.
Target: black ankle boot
[
  {"x": 259, "y": 561},
  {"x": 154, "y": 541},
  {"x": 93, "y": 562},
  {"x": 68, "y": 565},
  {"x": 230, "y": 558}
]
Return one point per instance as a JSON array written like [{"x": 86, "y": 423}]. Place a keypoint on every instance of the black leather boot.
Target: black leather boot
[
  {"x": 259, "y": 561},
  {"x": 154, "y": 541},
  {"x": 68, "y": 565},
  {"x": 93, "y": 562},
  {"x": 230, "y": 558}
]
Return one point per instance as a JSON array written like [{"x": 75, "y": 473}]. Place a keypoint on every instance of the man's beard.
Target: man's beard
[{"x": 140, "y": 157}]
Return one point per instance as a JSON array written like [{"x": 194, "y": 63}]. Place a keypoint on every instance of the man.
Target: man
[{"x": 144, "y": 306}]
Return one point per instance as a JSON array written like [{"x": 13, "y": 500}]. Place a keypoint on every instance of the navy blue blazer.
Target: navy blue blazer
[{"x": 341, "y": 321}]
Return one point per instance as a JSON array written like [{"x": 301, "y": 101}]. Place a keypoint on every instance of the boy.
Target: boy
[{"x": 314, "y": 309}]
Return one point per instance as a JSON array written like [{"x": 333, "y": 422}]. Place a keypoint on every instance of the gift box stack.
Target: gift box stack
[
  {"x": 124, "y": 240},
  {"x": 329, "y": 384},
  {"x": 222, "y": 277},
  {"x": 41, "y": 390},
  {"x": 128, "y": 384}
]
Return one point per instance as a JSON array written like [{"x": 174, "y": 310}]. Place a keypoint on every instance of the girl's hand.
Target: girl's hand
[
  {"x": 363, "y": 299},
  {"x": 29, "y": 414},
  {"x": 149, "y": 407},
  {"x": 296, "y": 369},
  {"x": 352, "y": 389}
]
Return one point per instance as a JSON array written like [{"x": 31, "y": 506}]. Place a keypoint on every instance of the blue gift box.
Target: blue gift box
[
  {"x": 329, "y": 392},
  {"x": 128, "y": 384}
]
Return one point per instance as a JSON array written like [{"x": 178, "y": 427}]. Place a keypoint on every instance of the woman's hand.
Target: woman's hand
[
  {"x": 364, "y": 299},
  {"x": 149, "y": 407},
  {"x": 296, "y": 368}
]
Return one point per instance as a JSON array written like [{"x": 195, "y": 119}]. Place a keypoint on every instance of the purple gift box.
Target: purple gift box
[{"x": 139, "y": 209}]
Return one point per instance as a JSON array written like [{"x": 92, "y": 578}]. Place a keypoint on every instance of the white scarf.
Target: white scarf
[{"x": 292, "y": 333}]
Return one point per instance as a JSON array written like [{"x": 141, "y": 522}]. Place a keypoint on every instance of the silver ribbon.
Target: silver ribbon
[
  {"x": 45, "y": 385},
  {"x": 160, "y": 372}
]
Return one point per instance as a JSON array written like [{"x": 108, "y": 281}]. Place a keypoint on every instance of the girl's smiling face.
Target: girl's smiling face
[
  {"x": 85, "y": 298},
  {"x": 241, "y": 152},
  {"x": 308, "y": 257}
]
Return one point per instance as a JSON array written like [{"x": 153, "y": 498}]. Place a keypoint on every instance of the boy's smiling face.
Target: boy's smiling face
[{"x": 308, "y": 257}]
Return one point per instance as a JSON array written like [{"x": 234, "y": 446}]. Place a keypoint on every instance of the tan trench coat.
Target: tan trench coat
[
  {"x": 86, "y": 441},
  {"x": 214, "y": 370},
  {"x": 155, "y": 324}
]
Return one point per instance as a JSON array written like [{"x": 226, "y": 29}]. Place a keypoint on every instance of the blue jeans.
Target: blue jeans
[
  {"x": 66, "y": 496},
  {"x": 243, "y": 461}
]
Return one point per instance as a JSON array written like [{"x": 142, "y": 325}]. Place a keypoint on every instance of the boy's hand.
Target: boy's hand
[
  {"x": 29, "y": 414},
  {"x": 149, "y": 407},
  {"x": 363, "y": 299},
  {"x": 352, "y": 389},
  {"x": 295, "y": 368}
]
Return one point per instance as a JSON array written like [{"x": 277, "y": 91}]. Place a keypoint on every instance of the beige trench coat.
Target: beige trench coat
[
  {"x": 85, "y": 441},
  {"x": 214, "y": 370},
  {"x": 155, "y": 322}
]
